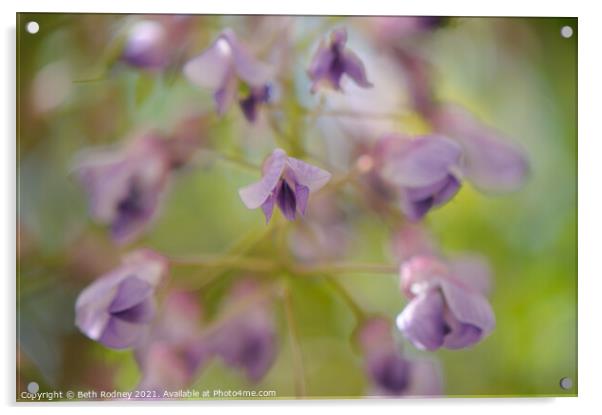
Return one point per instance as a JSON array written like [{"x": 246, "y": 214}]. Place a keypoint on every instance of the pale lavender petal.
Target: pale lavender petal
[
  {"x": 130, "y": 291},
  {"x": 121, "y": 334},
  {"x": 146, "y": 45},
  {"x": 338, "y": 37},
  {"x": 425, "y": 379},
  {"x": 147, "y": 265},
  {"x": 93, "y": 302},
  {"x": 301, "y": 194},
  {"x": 104, "y": 175},
  {"x": 268, "y": 207},
  {"x": 307, "y": 175},
  {"x": 491, "y": 162},
  {"x": 225, "y": 95},
  {"x": 248, "y": 68},
  {"x": 354, "y": 67},
  {"x": 422, "y": 321},
  {"x": 418, "y": 162},
  {"x": 212, "y": 67},
  {"x": 474, "y": 271},
  {"x": 469, "y": 306},
  {"x": 248, "y": 343},
  {"x": 254, "y": 195},
  {"x": 413, "y": 240}
]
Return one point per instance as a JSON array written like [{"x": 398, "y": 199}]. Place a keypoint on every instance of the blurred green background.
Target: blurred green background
[{"x": 518, "y": 74}]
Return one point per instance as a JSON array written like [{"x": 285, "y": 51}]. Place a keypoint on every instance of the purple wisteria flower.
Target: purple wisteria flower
[
  {"x": 445, "y": 309},
  {"x": 125, "y": 186},
  {"x": 149, "y": 44},
  {"x": 490, "y": 162},
  {"x": 174, "y": 351},
  {"x": 422, "y": 172},
  {"x": 286, "y": 182},
  {"x": 247, "y": 340},
  {"x": 220, "y": 68},
  {"x": 332, "y": 60},
  {"x": 118, "y": 308},
  {"x": 388, "y": 370},
  {"x": 257, "y": 96}
]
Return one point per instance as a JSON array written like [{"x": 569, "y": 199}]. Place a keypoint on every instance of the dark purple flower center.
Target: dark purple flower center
[
  {"x": 135, "y": 314},
  {"x": 392, "y": 375},
  {"x": 133, "y": 204},
  {"x": 337, "y": 66},
  {"x": 251, "y": 350},
  {"x": 287, "y": 200},
  {"x": 255, "y": 97}
]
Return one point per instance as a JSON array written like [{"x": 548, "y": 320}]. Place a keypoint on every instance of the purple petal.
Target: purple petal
[
  {"x": 422, "y": 321},
  {"x": 319, "y": 68},
  {"x": 301, "y": 194},
  {"x": 418, "y": 162},
  {"x": 416, "y": 202},
  {"x": 461, "y": 335},
  {"x": 472, "y": 270},
  {"x": 390, "y": 372},
  {"x": 268, "y": 207},
  {"x": 249, "y": 69},
  {"x": 212, "y": 68},
  {"x": 121, "y": 334},
  {"x": 287, "y": 200},
  {"x": 134, "y": 211},
  {"x": 354, "y": 67},
  {"x": 254, "y": 195},
  {"x": 125, "y": 187},
  {"x": 130, "y": 292},
  {"x": 108, "y": 300},
  {"x": 491, "y": 162},
  {"x": 426, "y": 379},
  {"x": 104, "y": 175},
  {"x": 469, "y": 307},
  {"x": 224, "y": 96},
  {"x": 307, "y": 175},
  {"x": 143, "y": 312},
  {"x": 338, "y": 37},
  {"x": 146, "y": 45},
  {"x": 415, "y": 210},
  {"x": 248, "y": 343}
]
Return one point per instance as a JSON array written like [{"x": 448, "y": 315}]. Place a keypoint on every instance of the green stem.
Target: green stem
[
  {"x": 346, "y": 268},
  {"x": 360, "y": 315},
  {"x": 293, "y": 334},
  {"x": 236, "y": 160},
  {"x": 224, "y": 261}
]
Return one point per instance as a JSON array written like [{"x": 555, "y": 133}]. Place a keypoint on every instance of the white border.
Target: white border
[{"x": 590, "y": 206}]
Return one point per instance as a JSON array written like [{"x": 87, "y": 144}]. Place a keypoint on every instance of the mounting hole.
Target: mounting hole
[
  {"x": 566, "y": 32},
  {"x": 33, "y": 387},
  {"x": 32, "y": 27},
  {"x": 566, "y": 383}
]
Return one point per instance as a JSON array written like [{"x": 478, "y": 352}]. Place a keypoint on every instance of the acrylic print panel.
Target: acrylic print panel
[{"x": 280, "y": 207}]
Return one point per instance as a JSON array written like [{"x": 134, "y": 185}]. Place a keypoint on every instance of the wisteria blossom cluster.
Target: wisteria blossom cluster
[{"x": 401, "y": 177}]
